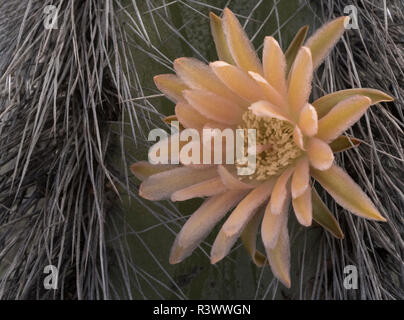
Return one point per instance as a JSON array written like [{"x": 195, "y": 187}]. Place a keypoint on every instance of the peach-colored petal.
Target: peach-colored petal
[
  {"x": 238, "y": 81},
  {"x": 249, "y": 239},
  {"x": 324, "y": 104},
  {"x": 279, "y": 257},
  {"x": 281, "y": 192},
  {"x": 320, "y": 154},
  {"x": 308, "y": 121},
  {"x": 206, "y": 188},
  {"x": 323, "y": 216},
  {"x": 298, "y": 138},
  {"x": 240, "y": 46},
  {"x": 246, "y": 208},
  {"x": 295, "y": 46},
  {"x": 143, "y": 169},
  {"x": 300, "y": 178},
  {"x": 198, "y": 75},
  {"x": 202, "y": 222},
  {"x": 346, "y": 192},
  {"x": 324, "y": 39},
  {"x": 266, "y": 109},
  {"x": 341, "y": 117},
  {"x": 238, "y": 219},
  {"x": 213, "y": 106},
  {"x": 223, "y": 51},
  {"x": 299, "y": 84},
  {"x": 171, "y": 85},
  {"x": 271, "y": 225},
  {"x": 231, "y": 181},
  {"x": 189, "y": 117},
  {"x": 269, "y": 91},
  {"x": 274, "y": 65},
  {"x": 303, "y": 208},
  {"x": 343, "y": 143},
  {"x": 161, "y": 185}
]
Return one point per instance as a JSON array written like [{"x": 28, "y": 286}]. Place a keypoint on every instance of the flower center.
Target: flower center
[{"x": 276, "y": 149}]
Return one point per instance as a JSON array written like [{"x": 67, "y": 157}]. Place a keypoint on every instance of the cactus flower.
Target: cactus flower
[{"x": 295, "y": 143}]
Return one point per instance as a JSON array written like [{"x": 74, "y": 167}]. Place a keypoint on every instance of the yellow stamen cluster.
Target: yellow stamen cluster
[{"x": 275, "y": 137}]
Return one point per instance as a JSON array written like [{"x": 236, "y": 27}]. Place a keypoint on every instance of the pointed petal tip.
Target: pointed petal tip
[
  {"x": 135, "y": 168},
  {"x": 306, "y": 223},
  {"x": 141, "y": 193},
  {"x": 180, "y": 61},
  {"x": 380, "y": 218},
  {"x": 215, "y": 259},
  {"x": 218, "y": 64},
  {"x": 305, "y": 28},
  {"x": 158, "y": 78},
  {"x": 171, "y": 85},
  {"x": 227, "y": 11},
  {"x": 376, "y": 216},
  {"x": 145, "y": 195},
  {"x": 306, "y": 50},
  {"x": 177, "y": 253},
  {"x": 213, "y": 16},
  {"x": 286, "y": 282},
  {"x": 174, "y": 261},
  {"x": 272, "y": 40},
  {"x": 169, "y": 119},
  {"x": 345, "y": 19}
]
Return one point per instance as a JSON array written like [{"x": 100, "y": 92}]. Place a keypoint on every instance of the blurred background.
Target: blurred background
[{"x": 77, "y": 101}]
